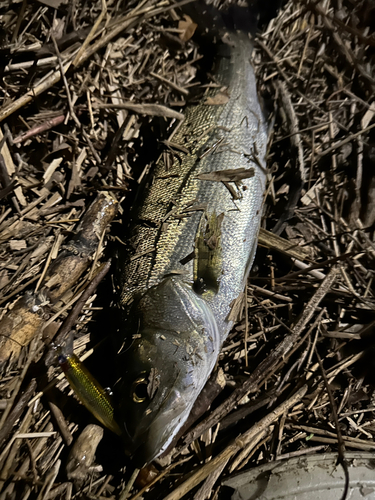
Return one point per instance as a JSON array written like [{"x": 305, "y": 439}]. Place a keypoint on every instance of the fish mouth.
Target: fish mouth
[
  {"x": 150, "y": 447},
  {"x": 155, "y": 434}
]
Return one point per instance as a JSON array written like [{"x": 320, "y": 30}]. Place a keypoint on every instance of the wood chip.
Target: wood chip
[
  {"x": 229, "y": 175},
  {"x": 217, "y": 100},
  {"x": 17, "y": 244}
]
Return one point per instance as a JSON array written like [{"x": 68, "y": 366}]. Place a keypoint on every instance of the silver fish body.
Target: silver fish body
[{"x": 176, "y": 331}]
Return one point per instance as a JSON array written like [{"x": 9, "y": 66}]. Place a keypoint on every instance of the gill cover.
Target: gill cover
[{"x": 174, "y": 349}]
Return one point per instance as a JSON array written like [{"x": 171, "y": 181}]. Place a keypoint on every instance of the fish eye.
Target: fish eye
[{"x": 139, "y": 390}]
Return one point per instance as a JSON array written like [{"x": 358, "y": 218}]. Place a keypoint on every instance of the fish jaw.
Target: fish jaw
[{"x": 166, "y": 367}]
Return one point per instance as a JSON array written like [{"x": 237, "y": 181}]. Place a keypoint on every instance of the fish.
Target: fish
[{"x": 191, "y": 244}]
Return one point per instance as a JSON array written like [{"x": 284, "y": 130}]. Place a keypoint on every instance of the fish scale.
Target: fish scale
[
  {"x": 240, "y": 122},
  {"x": 176, "y": 332}
]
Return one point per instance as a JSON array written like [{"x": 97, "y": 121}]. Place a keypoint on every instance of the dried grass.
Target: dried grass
[{"x": 126, "y": 71}]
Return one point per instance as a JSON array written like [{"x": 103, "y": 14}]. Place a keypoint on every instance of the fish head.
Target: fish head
[{"x": 166, "y": 366}]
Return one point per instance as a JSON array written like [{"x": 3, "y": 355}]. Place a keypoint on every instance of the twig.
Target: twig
[
  {"x": 12, "y": 416},
  {"x": 297, "y": 152},
  {"x": 39, "y": 129},
  {"x": 70, "y": 321},
  {"x": 143, "y": 109},
  {"x": 341, "y": 445},
  {"x": 125, "y": 493},
  {"x": 347, "y": 139},
  {"x": 61, "y": 422},
  {"x": 174, "y": 86},
  {"x": 235, "y": 446},
  {"x": 34, "y": 92},
  {"x": 90, "y": 36},
  {"x": 91, "y": 50},
  {"x": 158, "y": 477}
]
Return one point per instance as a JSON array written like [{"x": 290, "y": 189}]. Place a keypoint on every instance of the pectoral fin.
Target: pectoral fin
[{"x": 208, "y": 255}]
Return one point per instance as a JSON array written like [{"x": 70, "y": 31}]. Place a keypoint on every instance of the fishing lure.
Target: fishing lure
[{"x": 87, "y": 389}]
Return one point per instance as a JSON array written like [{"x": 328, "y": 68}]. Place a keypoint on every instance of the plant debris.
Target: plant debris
[{"x": 89, "y": 95}]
